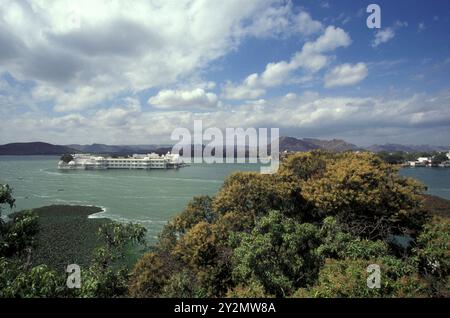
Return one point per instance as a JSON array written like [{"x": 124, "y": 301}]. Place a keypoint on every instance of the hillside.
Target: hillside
[
  {"x": 307, "y": 144},
  {"x": 332, "y": 145},
  {"x": 285, "y": 143},
  {"x": 33, "y": 148},
  {"x": 406, "y": 148},
  {"x": 120, "y": 149}
]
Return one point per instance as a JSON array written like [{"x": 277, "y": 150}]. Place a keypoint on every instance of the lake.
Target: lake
[
  {"x": 150, "y": 197},
  {"x": 436, "y": 179}
]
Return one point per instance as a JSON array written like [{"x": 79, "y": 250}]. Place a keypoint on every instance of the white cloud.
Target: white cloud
[
  {"x": 383, "y": 36},
  {"x": 305, "y": 25},
  {"x": 346, "y": 74},
  {"x": 421, "y": 27},
  {"x": 387, "y": 34},
  {"x": 196, "y": 98},
  {"x": 282, "y": 21},
  {"x": 308, "y": 114},
  {"x": 232, "y": 91},
  {"x": 310, "y": 58},
  {"x": 119, "y": 47}
]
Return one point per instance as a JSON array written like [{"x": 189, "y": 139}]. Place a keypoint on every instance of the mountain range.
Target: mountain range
[
  {"x": 34, "y": 148},
  {"x": 307, "y": 144},
  {"x": 285, "y": 144}
]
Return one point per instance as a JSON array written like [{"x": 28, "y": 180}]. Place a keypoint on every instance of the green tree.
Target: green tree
[
  {"x": 66, "y": 158},
  {"x": 17, "y": 235},
  {"x": 150, "y": 274},
  {"x": 104, "y": 278},
  {"x": 17, "y": 238},
  {"x": 252, "y": 289},
  {"x": 6, "y": 197},
  {"x": 440, "y": 157},
  {"x": 368, "y": 196},
  {"x": 18, "y": 281},
  {"x": 279, "y": 254},
  {"x": 338, "y": 244},
  {"x": 245, "y": 196},
  {"x": 393, "y": 158},
  {"x": 433, "y": 252},
  {"x": 264, "y": 235},
  {"x": 348, "y": 278},
  {"x": 197, "y": 210}
]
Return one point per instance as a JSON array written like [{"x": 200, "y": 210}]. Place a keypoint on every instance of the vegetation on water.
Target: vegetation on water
[
  {"x": 310, "y": 230},
  {"x": 36, "y": 247},
  {"x": 66, "y": 236}
]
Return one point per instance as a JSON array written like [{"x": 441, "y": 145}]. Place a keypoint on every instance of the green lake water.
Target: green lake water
[{"x": 150, "y": 197}]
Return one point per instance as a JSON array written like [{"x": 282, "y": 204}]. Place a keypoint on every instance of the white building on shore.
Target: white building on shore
[{"x": 137, "y": 161}]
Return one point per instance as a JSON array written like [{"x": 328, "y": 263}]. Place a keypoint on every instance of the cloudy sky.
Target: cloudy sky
[{"x": 129, "y": 72}]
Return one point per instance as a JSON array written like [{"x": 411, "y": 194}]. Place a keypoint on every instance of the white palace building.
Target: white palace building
[{"x": 137, "y": 161}]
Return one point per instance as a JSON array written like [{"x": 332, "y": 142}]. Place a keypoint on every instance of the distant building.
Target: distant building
[
  {"x": 137, "y": 161},
  {"x": 424, "y": 160},
  {"x": 416, "y": 164}
]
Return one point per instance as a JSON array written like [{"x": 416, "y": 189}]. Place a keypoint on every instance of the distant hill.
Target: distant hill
[
  {"x": 285, "y": 143},
  {"x": 336, "y": 145},
  {"x": 33, "y": 148},
  {"x": 406, "y": 148},
  {"x": 120, "y": 149},
  {"x": 294, "y": 144},
  {"x": 307, "y": 144}
]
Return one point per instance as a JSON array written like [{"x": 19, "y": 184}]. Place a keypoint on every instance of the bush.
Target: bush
[
  {"x": 433, "y": 252},
  {"x": 264, "y": 235},
  {"x": 367, "y": 196},
  {"x": 278, "y": 254},
  {"x": 17, "y": 281},
  {"x": 150, "y": 275},
  {"x": 348, "y": 278}
]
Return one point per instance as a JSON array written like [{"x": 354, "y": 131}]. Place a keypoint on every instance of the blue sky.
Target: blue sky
[{"x": 122, "y": 72}]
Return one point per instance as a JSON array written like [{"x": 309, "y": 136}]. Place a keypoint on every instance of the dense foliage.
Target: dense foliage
[{"x": 309, "y": 230}]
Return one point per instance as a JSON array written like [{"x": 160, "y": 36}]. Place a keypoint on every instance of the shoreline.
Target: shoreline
[
  {"x": 68, "y": 233},
  {"x": 437, "y": 204}
]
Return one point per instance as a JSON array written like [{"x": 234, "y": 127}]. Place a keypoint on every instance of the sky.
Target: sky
[{"x": 130, "y": 72}]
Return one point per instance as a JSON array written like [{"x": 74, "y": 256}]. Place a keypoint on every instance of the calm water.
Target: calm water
[
  {"x": 150, "y": 197},
  {"x": 436, "y": 179}
]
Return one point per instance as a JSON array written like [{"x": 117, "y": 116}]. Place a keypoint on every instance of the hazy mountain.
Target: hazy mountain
[
  {"x": 119, "y": 149},
  {"x": 332, "y": 145},
  {"x": 96, "y": 148},
  {"x": 285, "y": 143},
  {"x": 33, "y": 148},
  {"x": 294, "y": 144},
  {"x": 406, "y": 148},
  {"x": 307, "y": 144}
]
